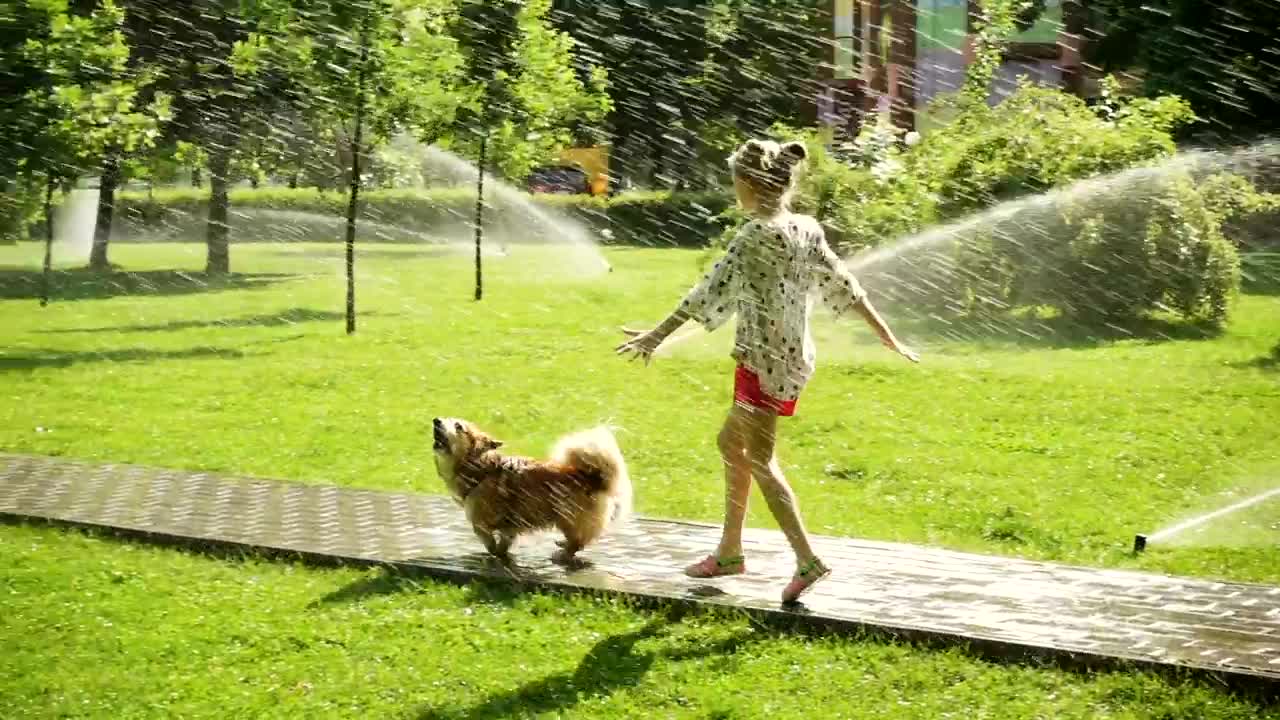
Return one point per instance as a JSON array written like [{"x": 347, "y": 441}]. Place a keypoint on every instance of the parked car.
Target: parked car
[{"x": 559, "y": 180}]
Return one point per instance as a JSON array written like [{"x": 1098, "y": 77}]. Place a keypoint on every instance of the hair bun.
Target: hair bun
[
  {"x": 795, "y": 150},
  {"x": 753, "y": 152}
]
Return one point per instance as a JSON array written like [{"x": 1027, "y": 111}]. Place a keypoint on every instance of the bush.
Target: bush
[
  {"x": 281, "y": 214},
  {"x": 22, "y": 210},
  {"x": 659, "y": 219},
  {"x": 1038, "y": 139},
  {"x": 1111, "y": 251},
  {"x": 863, "y": 193},
  {"x": 858, "y": 193},
  {"x": 1103, "y": 260}
]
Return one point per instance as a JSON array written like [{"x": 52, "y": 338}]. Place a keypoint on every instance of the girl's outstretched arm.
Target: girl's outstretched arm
[
  {"x": 843, "y": 293},
  {"x": 710, "y": 303},
  {"x": 645, "y": 342},
  {"x": 877, "y": 323}
]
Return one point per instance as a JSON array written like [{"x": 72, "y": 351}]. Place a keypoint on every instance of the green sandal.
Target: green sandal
[
  {"x": 805, "y": 578},
  {"x": 712, "y": 566}
]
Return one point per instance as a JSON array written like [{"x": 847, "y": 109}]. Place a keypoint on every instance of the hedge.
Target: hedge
[{"x": 659, "y": 219}]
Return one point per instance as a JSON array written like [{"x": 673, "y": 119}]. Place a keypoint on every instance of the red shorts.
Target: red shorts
[{"x": 747, "y": 391}]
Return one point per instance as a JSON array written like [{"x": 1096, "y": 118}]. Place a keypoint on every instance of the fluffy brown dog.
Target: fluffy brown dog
[{"x": 581, "y": 490}]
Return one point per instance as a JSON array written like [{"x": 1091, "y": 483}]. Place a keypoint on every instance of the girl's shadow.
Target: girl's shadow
[{"x": 611, "y": 665}]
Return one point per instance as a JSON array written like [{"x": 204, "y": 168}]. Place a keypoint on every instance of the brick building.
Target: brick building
[{"x": 900, "y": 54}]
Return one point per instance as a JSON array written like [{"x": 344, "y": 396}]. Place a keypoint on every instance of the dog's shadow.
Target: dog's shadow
[
  {"x": 483, "y": 566},
  {"x": 611, "y": 665},
  {"x": 384, "y": 583}
]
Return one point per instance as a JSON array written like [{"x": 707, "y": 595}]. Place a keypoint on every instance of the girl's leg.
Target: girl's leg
[
  {"x": 761, "y": 433},
  {"x": 737, "y": 482},
  {"x": 782, "y": 503},
  {"x": 732, "y": 441}
]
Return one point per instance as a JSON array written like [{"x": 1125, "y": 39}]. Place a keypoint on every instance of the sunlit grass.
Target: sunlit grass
[
  {"x": 99, "y": 628},
  {"x": 1050, "y": 453},
  {"x": 1041, "y": 452}
]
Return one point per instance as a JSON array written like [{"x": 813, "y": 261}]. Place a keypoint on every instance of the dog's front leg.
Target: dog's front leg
[
  {"x": 503, "y": 544},
  {"x": 567, "y": 554},
  {"x": 494, "y": 544}
]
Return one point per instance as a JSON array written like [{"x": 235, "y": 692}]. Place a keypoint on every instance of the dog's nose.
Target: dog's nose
[{"x": 436, "y": 423}]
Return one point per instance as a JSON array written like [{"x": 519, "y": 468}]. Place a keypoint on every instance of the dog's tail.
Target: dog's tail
[{"x": 596, "y": 451}]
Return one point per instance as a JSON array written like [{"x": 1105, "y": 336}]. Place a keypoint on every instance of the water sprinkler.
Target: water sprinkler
[{"x": 1140, "y": 541}]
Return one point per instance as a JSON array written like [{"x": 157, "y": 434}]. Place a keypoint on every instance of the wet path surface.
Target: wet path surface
[{"x": 1001, "y": 606}]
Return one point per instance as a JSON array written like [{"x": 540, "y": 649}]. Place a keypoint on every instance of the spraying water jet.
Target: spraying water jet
[
  {"x": 910, "y": 271},
  {"x": 1140, "y": 541}
]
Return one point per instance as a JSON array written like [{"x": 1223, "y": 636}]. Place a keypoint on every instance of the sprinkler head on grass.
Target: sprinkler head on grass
[{"x": 1139, "y": 543}]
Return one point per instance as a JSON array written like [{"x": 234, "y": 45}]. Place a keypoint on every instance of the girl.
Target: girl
[{"x": 766, "y": 276}]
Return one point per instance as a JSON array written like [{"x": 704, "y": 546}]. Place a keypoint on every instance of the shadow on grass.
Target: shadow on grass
[
  {"x": 384, "y": 583},
  {"x": 1270, "y": 361},
  {"x": 1260, "y": 273},
  {"x": 560, "y": 691},
  {"x": 459, "y": 250},
  {"x": 482, "y": 591},
  {"x": 33, "y": 359},
  {"x": 292, "y": 316},
  {"x": 610, "y": 665},
  {"x": 84, "y": 284}
]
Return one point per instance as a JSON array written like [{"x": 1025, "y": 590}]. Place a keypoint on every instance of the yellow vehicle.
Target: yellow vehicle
[
  {"x": 594, "y": 160},
  {"x": 583, "y": 170}
]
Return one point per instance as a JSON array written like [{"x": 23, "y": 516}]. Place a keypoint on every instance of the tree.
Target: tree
[
  {"x": 487, "y": 33},
  {"x": 357, "y": 148},
  {"x": 65, "y": 101},
  {"x": 691, "y": 78},
  {"x": 1220, "y": 56},
  {"x": 543, "y": 91},
  {"x": 73, "y": 103},
  {"x": 379, "y": 66},
  {"x": 146, "y": 36},
  {"x": 243, "y": 60},
  {"x": 524, "y": 97},
  {"x": 763, "y": 65},
  {"x": 226, "y": 63},
  {"x": 654, "y": 53}
]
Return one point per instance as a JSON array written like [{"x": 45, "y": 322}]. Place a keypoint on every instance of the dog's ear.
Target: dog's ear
[{"x": 489, "y": 443}]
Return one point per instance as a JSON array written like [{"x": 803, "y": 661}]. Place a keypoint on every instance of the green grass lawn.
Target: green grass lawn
[
  {"x": 1055, "y": 451},
  {"x": 98, "y": 628}
]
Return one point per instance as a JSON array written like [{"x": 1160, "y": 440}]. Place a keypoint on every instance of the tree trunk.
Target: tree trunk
[
  {"x": 217, "y": 232},
  {"x": 12, "y": 225},
  {"x": 484, "y": 141},
  {"x": 196, "y": 178},
  {"x": 108, "y": 181},
  {"x": 293, "y": 181},
  {"x": 353, "y": 199},
  {"x": 46, "y": 278}
]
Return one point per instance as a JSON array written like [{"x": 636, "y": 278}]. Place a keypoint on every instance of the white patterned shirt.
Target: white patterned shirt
[{"x": 768, "y": 276}]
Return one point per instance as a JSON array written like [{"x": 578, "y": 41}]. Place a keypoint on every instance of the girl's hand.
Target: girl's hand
[
  {"x": 642, "y": 344},
  {"x": 892, "y": 343}
]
